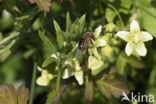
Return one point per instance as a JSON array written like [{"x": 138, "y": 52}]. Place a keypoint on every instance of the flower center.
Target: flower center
[{"x": 136, "y": 39}]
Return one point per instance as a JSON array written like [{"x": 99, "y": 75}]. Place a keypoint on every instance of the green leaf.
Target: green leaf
[
  {"x": 110, "y": 15},
  {"x": 112, "y": 87},
  {"x": 77, "y": 27},
  {"x": 1, "y": 36},
  {"x": 82, "y": 23},
  {"x": 133, "y": 61},
  {"x": 147, "y": 15},
  {"x": 47, "y": 42},
  {"x": 5, "y": 55},
  {"x": 97, "y": 71},
  {"x": 82, "y": 19},
  {"x": 7, "y": 94},
  {"x": 152, "y": 77},
  {"x": 126, "y": 3},
  {"x": 59, "y": 34},
  {"x": 47, "y": 62},
  {"x": 11, "y": 36},
  {"x": 23, "y": 94},
  {"x": 121, "y": 64},
  {"x": 68, "y": 22},
  {"x": 89, "y": 90},
  {"x": 51, "y": 97}
]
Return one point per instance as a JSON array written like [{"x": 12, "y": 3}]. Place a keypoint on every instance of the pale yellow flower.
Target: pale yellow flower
[
  {"x": 44, "y": 79},
  {"x": 135, "y": 39}
]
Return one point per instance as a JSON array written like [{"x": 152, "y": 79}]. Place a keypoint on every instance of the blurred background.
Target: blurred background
[{"x": 20, "y": 50}]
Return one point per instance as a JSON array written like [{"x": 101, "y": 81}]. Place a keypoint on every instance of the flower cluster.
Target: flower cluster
[{"x": 97, "y": 52}]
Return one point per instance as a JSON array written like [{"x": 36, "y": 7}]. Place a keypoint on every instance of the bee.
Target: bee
[{"x": 86, "y": 39}]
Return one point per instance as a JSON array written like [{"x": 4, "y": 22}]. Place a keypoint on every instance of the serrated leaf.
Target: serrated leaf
[
  {"x": 51, "y": 97},
  {"x": 47, "y": 42},
  {"x": 23, "y": 94},
  {"x": 7, "y": 94},
  {"x": 112, "y": 87},
  {"x": 47, "y": 62},
  {"x": 89, "y": 90},
  {"x": 59, "y": 34}
]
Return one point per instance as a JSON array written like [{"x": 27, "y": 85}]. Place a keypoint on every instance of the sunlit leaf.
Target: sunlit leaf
[
  {"x": 59, "y": 34},
  {"x": 68, "y": 22}
]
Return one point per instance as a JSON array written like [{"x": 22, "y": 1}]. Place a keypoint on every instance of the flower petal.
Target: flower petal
[
  {"x": 146, "y": 36},
  {"x": 44, "y": 79},
  {"x": 54, "y": 56},
  {"x": 77, "y": 65},
  {"x": 95, "y": 52},
  {"x": 100, "y": 42},
  {"x": 141, "y": 49},
  {"x": 123, "y": 35},
  {"x": 134, "y": 26},
  {"x": 79, "y": 76},
  {"x": 97, "y": 31},
  {"x": 67, "y": 73},
  {"x": 94, "y": 63},
  {"x": 129, "y": 48}
]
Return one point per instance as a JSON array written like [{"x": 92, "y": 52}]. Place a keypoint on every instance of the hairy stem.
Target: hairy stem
[{"x": 33, "y": 84}]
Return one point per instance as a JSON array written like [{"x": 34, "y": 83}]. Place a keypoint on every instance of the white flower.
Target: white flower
[
  {"x": 44, "y": 79},
  {"x": 135, "y": 39},
  {"x": 79, "y": 76},
  {"x": 97, "y": 31},
  {"x": 77, "y": 72},
  {"x": 98, "y": 42},
  {"x": 67, "y": 73},
  {"x": 94, "y": 63}
]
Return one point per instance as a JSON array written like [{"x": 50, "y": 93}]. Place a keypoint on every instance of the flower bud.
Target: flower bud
[
  {"x": 107, "y": 51},
  {"x": 110, "y": 27}
]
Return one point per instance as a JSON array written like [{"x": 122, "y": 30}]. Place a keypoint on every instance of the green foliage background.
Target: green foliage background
[{"x": 21, "y": 51}]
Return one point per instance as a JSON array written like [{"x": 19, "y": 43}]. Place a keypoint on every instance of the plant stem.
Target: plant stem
[
  {"x": 111, "y": 6},
  {"x": 33, "y": 84},
  {"x": 58, "y": 82}
]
